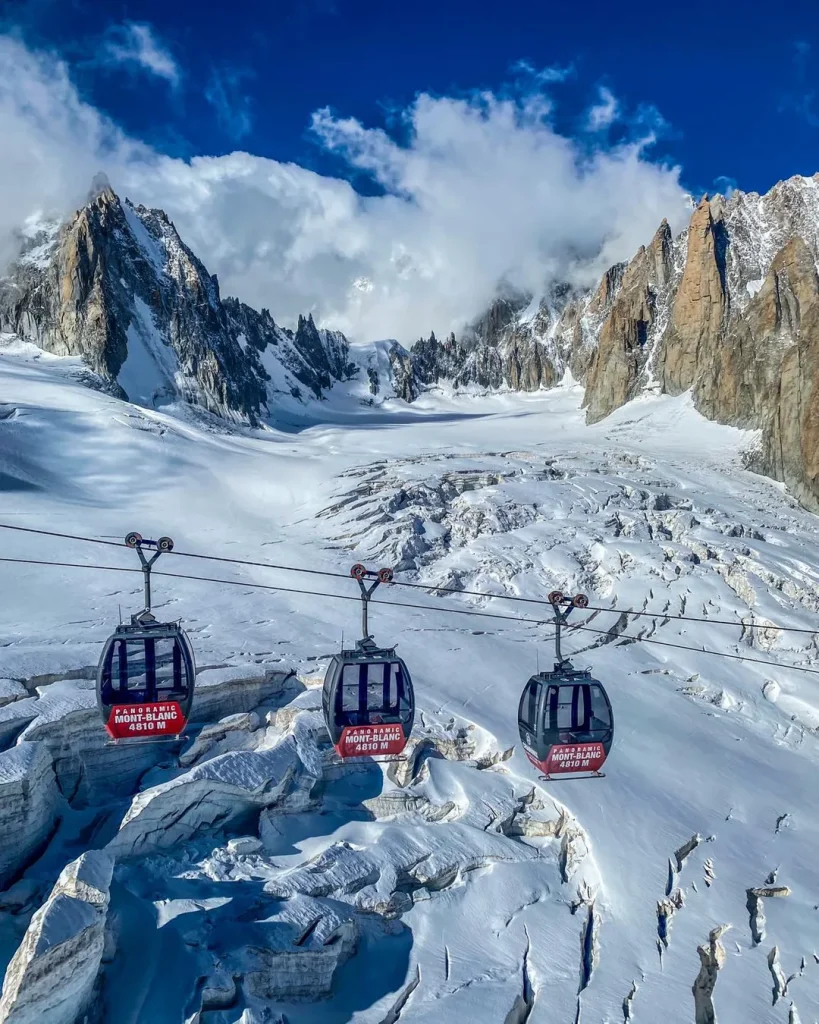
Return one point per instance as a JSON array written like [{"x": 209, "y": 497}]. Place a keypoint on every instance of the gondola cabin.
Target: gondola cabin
[
  {"x": 368, "y": 702},
  {"x": 566, "y": 723},
  {"x": 145, "y": 681}
]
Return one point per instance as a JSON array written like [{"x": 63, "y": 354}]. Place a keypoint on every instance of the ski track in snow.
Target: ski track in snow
[{"x": 459, "y": 883}]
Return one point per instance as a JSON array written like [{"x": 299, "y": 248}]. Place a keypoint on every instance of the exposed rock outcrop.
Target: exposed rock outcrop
[
  {"x": 712, "y": 960},
  {"x": 698, "y": 311},
  {"x": 509, "y": 347},
  {"x": 726, "y": 309},
  {"x": 309, "y": 356},
  {"x": 628, "y": 299},
  {"x": 729, "y": 310},
  {"x": 785, "y": 371},
  {"x": 118, "y": 287}
]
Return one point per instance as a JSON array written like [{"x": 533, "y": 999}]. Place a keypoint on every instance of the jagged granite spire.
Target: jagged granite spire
[
  {"x": 117, "y": 286},
  {"x": 729, "y": 310}
]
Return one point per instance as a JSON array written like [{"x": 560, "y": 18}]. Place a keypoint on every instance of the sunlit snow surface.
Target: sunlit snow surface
[{"x": 508, "y": 494}]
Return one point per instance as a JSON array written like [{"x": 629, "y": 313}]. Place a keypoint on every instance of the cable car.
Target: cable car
[
  {"x": 146, "y": 673},
  {"x": 367, "y": 698},
  {"x": 565, "y": 718}
]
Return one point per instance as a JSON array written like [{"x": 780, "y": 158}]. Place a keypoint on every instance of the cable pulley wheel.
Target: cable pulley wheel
[
  {"x": 133, "y": 539},
  {"x": 580, "y": 601},
  {"x": 165, "y": 544},
  {"x": 358, "y": 571},
  {"x": 556, "y": 597},
  {"x": 385, "y": 575}
]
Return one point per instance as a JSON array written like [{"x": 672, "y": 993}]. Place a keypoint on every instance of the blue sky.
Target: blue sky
[
  {"x": 735, "y": 83},
  {"x": 389, "y": 167}
]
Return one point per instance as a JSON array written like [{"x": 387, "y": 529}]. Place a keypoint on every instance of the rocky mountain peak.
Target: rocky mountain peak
[
  {"x": 727, "y": 310},
  {"x": 700, "y": 305},
  {"x": 117, "y": 286},
  {"x": 724, "y": 309}
]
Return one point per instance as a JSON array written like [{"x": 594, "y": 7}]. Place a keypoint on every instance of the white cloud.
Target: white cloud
[
  {"x": 134, "y": 43},
  {"x": 53, "y": 143},
  {"x": 726, "y": 185},
  {"x": 604, "y": 113},
  {"x": 544, "y": 76},
  {"x": 484, "y": 190},
  {"x": 232, "y": 106}
]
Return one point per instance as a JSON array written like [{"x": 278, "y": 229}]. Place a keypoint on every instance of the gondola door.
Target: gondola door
[{"x": 369, "y": 703}]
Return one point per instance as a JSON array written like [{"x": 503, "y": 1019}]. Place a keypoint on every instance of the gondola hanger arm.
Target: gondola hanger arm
[
  {"x": 562, "y": 606},
  {"x": 361, "y": 573},
  {"x": 137, "y": 541}
]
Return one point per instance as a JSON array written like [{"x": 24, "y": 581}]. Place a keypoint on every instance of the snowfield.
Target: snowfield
[{"x": 247, "y": 878}]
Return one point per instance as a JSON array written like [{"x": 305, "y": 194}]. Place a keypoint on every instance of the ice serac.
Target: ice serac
[
  {"x": 87, "y": 767},
  {"x": 236, "y": 689},
  {"x": 218, "y": 794},
  {"x": 28, "y": 806},
  {"x": 117, "y": 286},
  {"x": 52, "y": 976},
  {"x": 295, "y": 952}
]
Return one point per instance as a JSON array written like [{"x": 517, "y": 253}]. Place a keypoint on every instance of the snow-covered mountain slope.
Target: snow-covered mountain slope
[
  {"x": 727, "y": 309},
  {"x": 117, "y": 286},
  {"x": 246, "y": 879}
]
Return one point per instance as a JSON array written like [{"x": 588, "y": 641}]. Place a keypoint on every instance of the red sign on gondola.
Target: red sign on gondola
[
  {"x": 563, "y": 759},
  {"x": 371, "y": 740},
  {"x": 162, "y": 718}
]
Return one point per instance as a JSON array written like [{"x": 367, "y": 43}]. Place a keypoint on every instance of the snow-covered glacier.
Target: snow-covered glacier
[{"x": 245, "y": 877}]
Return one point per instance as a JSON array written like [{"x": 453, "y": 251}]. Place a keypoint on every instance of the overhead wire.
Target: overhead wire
[
  {"x": 286, "y": 590},
  {"x": 306, "y": 570},
  {"x": 420, "y": 607},
  {"x": 696, "y": 650}
]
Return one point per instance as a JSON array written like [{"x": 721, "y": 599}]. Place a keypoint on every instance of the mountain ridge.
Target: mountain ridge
[
  {"x": 727, "y": 308},
  {"x": 117, "y": 286}
]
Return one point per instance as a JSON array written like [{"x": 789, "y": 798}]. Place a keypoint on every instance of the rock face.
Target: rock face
[
  {"x": 698, "y": 311},
  {"x": 728, "y": 309},
  {"x": 627, "y": 299},
  {"x": 790, "y": 412},
  {"x": 286, "y": 359},
  {"x": 509, "y": 347},
  {"x": 118, "y": 287},
  {"x": 725, "y": 309},
  {"x": 52, "y": 975}
]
